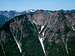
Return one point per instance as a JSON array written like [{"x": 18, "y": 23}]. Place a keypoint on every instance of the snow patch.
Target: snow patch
[
  {"x": 41, "y": 41},
  {"x": 19, "y": 45}
]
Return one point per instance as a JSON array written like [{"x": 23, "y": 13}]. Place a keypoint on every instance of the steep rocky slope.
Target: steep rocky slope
[
  {"x": 57, "y": 31},
  {"x": 19, "y": 37},
  {"x": 39, "y": 33}
]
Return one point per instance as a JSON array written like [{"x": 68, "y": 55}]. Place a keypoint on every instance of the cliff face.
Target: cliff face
[{"x": 41, "y": 33}]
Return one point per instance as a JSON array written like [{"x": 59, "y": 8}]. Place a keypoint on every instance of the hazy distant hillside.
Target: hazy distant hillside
[
  {"x": 9, "y": 14},
  {"x": 3, "y": 19},
  {"x": 12, "y": 13}
]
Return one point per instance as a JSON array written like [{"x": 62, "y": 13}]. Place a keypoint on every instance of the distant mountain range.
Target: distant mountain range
[
  {"x": 13, "y": 13},
  {"x": 9, "y": 14}
]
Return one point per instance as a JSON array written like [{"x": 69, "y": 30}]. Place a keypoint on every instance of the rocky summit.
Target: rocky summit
[{"x": 39, "y": 33}]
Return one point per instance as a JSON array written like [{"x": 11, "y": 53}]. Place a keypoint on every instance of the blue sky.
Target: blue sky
[{"x": 21, "y": 5}]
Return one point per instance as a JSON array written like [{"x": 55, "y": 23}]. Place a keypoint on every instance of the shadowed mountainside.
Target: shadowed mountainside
[{"x": 19, "y": 37}]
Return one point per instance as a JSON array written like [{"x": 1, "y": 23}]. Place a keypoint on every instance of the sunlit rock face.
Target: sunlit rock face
[
  {"x": 58, "y": 39},
  {"x": 40, "y": 17},
  {"x": 58, "y": 34},
  {"x": 19, "y": 37}
]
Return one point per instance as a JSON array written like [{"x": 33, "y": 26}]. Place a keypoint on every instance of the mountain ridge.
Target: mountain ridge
[{"x": 50, "y": 32}]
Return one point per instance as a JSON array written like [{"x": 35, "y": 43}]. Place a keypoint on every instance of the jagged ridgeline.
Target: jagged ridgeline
[{"x": 19, "y": 37}]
